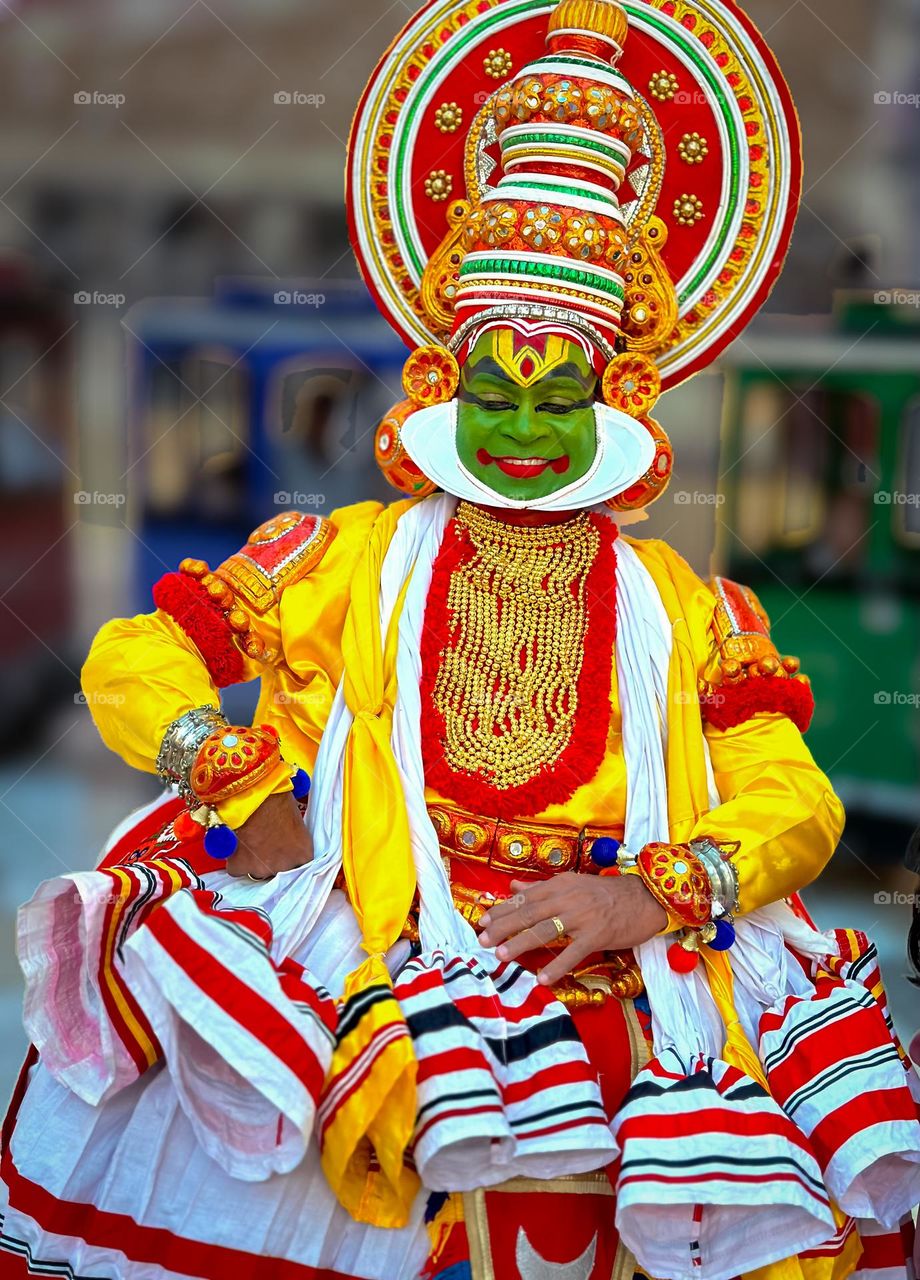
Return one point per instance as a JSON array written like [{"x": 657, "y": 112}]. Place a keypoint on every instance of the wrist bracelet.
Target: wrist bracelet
[
  {"x": 210, "y": 761},
  {"x": 678, "y": 881},
  {"x": 723, "y": 875},
  {"x": 180, "y": 745},
  {"x": 696, "y": 884}
]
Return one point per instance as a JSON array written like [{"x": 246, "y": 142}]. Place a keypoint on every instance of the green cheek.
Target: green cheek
[{"x": 572, "y": 434}]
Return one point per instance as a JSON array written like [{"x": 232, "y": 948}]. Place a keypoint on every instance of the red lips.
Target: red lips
[{"x": 523, "y": 468}]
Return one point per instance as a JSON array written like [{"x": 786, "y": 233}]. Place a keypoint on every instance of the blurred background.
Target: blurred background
[{"x": 157, "y": 192}]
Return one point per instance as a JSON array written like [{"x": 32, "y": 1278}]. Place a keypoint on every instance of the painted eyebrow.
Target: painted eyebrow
[{"x": 486, "y": 365}]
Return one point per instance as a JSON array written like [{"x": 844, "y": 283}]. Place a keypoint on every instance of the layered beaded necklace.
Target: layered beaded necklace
[{"x": 506, "y": 685}]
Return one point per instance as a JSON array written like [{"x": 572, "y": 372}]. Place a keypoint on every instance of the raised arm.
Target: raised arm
[{"x": 273, "y": 611}]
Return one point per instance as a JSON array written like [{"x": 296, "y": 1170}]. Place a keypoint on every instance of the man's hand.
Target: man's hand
[
  {"x": 273, "y": 839},
  {"x": 600, "y": 913}
]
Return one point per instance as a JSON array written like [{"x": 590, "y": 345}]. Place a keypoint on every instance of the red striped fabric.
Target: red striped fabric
[
  {"x": 711, "y": 1172},
  {"x": 504, "y": 1082},
  {"x": 179, "y": 1255},
  {"x": 237, "y": 998},
  {"x": 832, "y": 1065}
]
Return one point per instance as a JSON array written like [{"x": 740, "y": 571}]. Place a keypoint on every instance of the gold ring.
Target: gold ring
[{"x": 559, "y": 927}]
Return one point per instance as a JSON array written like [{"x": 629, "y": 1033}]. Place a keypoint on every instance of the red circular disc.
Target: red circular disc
[{"x": 720, "y": 160}]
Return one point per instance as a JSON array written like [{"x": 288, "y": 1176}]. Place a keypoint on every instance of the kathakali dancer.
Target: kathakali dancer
[{"x": 522, "y": 988}]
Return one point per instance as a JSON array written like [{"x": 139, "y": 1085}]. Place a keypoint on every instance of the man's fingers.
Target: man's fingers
[
  {"x": 527, "y": 940},
  {"x": 509, "y": 917},
  {"x": 540, "y": 892},
  {"x": 564, "y": 963},
  {"x": 530, "y": 903}
]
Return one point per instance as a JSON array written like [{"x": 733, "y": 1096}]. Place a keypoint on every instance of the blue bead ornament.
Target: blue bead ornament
[
  {"x": 220, "y": 842},
  {"x": 725, "y": 936},
  {"x": 604, "y": 851},
  {"x": 302, "y": 784}
]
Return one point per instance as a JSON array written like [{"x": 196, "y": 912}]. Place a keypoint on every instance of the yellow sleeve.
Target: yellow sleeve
[
  {"x": 278, "y": 618},
  {"x": 777, "y": 806}
]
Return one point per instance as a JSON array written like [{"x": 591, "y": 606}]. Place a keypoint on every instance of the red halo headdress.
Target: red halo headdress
[{"x": 628, "y": 171}]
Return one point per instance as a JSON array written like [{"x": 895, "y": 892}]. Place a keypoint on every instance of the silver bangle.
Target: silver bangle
[
  {"x": 181, "y": 743},
  {"x": 723, "y": 876}
]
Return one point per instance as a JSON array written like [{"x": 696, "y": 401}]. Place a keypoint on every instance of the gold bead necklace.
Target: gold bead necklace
[{"x": 518, "y": 616}]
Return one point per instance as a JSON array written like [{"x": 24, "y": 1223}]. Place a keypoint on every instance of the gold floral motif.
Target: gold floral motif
[
  {"x": 507, "y": 683},
  {"x": 503, "y": 105},
  {"x": 448, "y": 117},
  {"x": 693, "y": 148},
  {"x": 630, "y": 127},
  {"x": 540, "y": 225},
  {"x": 430, "y": 375},
  {"x": 601, "y": 106},
  {"x": 632, "y": 384},
  {"x": 472, "y": 228},
  {"x": 526, "y": 96},
  {"x": 497, "y": 64},
  {"x": 563, "y": 101},
  {"x": 688, "y": 210},
  {"x": 663, "y": 85},
  {"x": 585, "y": 238},
  {"x": 498, "y": 223},
  {"x": 438, "y": 184}
]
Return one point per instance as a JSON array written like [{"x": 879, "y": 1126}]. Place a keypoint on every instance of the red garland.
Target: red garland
[
  {"x": 733, "y": 704},
  {"x": 582, "y": 756},
  {"x": 188, "y": 604}
]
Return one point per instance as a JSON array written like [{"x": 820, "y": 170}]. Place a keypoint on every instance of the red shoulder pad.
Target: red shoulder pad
[
  {"x": 276, "y": 555},
  {"x": 746, "y": 675},
  {"x": 219, "y": 611}
]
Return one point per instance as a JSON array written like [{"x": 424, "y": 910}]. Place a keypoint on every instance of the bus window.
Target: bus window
[
  {"x": 780, "y": 467},
  {"x": 805, "y": 474},
  {"x": 757, "y": 466},
  {"x": 841, "y": 547},
  {"x": 322, "y": 417},
  {"x": 907, "y": 511},
  {"x": 195, "y": 441},
  {"x": 803, "y": 463}
]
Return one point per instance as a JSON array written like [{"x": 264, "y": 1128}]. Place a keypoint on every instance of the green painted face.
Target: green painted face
[{"x": 525, "y": 416}]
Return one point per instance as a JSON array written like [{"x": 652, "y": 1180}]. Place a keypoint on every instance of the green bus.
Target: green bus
[{"x": 820, "y": 515}]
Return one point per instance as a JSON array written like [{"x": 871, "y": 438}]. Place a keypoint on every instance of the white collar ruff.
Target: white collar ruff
[{"x": 625, "y": 451}]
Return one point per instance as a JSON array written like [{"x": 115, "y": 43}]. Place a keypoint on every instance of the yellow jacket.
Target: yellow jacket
[{"x": 777, "y": 805}]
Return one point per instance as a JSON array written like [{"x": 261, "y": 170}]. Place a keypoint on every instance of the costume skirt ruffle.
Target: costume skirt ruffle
[
  {"x": 186, "y": 1029},
  {"x": 182, "y": 1083}
]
